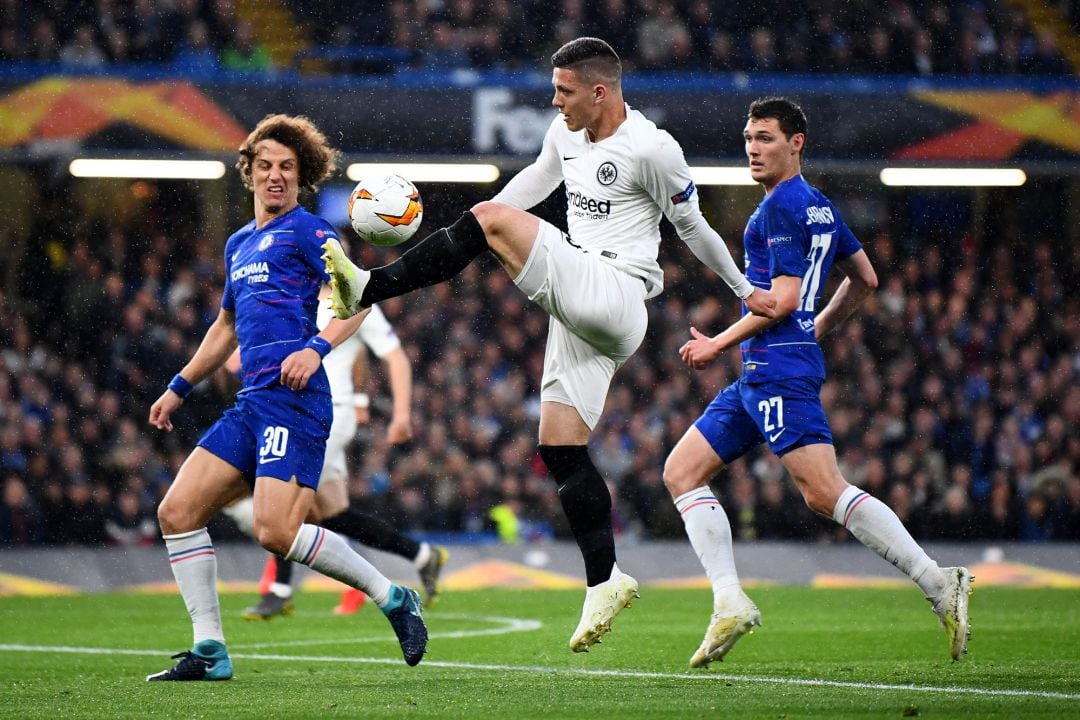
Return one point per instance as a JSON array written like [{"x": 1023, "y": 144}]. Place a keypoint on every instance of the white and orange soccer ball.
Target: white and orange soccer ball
[{"x": 385, "y": 209}]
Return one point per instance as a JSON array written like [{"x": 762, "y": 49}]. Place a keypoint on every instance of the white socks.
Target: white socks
[
  {"x": 194, "y": 565},
  {"x": 422, "y": 556},
  {"x": 709, "y": 531},
  {"x": 330, "y": 554},
  {"x": 867, "y": 518},
  {"x": 876, "y": 526}
]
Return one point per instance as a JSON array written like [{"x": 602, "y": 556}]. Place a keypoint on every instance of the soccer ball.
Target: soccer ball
[{"x": 385, "y": 209}]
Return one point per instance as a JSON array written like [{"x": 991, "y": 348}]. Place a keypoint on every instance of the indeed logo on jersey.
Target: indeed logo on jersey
[
  {"x": 255, "y": 272},
  {"x": 596, "y": 209},
  {"x": 820, "y": 215}
]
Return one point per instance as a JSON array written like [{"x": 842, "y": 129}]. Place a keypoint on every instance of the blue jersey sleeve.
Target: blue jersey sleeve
[
  {"x": 321, "y": 231},
  {"x": 228, "y": 299},
  {"x": 786, "y": 240},
  {"x": 847, "y": 244}
]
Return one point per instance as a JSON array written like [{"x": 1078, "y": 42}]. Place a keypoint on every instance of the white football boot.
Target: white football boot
[
  {"x": 730, "y": 621},
  {"x": 602, "y": 603},
  {"x": 952, "y": 609},
  {"x": 347, "y": 280}
]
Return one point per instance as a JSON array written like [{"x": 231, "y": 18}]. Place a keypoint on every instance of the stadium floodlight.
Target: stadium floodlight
[
  {"x": 147, "y": 169},
  {"x": 953, "y": 177},
  {"x": 428, "y": 172},
  {"x": 719, "y": 175}
]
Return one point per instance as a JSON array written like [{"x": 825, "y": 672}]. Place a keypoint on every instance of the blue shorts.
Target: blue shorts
[
  {"x": 786, "y": 414},
  {"x": 274, "y": 432}
]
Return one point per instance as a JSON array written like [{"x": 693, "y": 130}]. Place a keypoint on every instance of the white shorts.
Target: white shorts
[
  {"x": 342, "y": 431},
  {"x": 598, "y": 320}
]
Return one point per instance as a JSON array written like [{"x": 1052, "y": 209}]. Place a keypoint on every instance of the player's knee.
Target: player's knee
[
  {"x": 817, "y": 501},
  {"x": 164, "y": 514},
  {"x": 172, "y": 517},
  {"x": 274, "y": 537},
  {"x": 491, "y": 216},
  {"x": 678, "y": 480}
]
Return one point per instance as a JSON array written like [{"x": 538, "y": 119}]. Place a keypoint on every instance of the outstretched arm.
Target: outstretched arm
[
  {"x": 400, "y": 370},
  {"x": 709, "y": 248},
  {"x": 216, "y": 347},
  {"x": 534, "y": 183},
  {"x": 701, "y": 350},
  {"x": 860, "y": 282},
  {"x": 666, "y": 177}
]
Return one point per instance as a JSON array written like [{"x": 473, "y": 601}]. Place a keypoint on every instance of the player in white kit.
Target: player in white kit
[
  {"x": 622, "y": 174},
  {"x": 332, "y": 500}
]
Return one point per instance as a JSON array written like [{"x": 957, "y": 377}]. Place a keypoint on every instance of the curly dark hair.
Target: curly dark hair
[{"x": 317, "y": 159}]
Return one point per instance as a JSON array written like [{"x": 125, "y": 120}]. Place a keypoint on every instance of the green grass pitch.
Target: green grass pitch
[{"x": 852, "y": 653}]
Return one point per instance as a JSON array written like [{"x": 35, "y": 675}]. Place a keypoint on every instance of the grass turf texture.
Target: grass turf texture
[{"x": 315, "y": 664}]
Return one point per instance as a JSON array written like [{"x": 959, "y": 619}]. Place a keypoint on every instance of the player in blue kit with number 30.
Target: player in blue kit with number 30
[
  {"x": 792, "y": 241},
  {"x": 274, "y": 438}
]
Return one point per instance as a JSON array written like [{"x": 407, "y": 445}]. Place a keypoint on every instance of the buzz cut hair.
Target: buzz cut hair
[
  {"x": 592, "y": 58},
  {"x": 317, "y": 159}
]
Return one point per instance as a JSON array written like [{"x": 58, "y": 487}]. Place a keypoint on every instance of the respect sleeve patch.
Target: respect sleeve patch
[{"x": 684, "y": 195}]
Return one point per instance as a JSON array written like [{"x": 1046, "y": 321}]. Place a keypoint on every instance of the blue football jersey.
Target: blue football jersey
[
  {"x": 794, "y": 231},
  {"x": 273, "y": 277}
]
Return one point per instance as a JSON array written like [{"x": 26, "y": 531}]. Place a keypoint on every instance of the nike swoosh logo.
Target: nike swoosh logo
[
  {"x": 772, "y": 438},
  {"x": 570, "y": 158},
  {"x": 269, "y": 460}
]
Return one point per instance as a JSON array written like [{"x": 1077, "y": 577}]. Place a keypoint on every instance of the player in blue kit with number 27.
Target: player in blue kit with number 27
[
  {"x": 792, "y": 241},
  {"x": 274, "y": 438}
]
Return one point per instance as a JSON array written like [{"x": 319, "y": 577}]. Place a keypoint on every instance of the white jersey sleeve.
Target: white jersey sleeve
[
  {"x": 339, "y": 362},
  {"x": 533, "y": 184},
  {"x": 378, "y": 334},
  {"x": 664, "y": 167}
]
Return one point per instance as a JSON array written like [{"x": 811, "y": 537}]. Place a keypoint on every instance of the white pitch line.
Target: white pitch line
[
  {"x": 506, "y": 625},
  {"x": 933, "y": 689}
]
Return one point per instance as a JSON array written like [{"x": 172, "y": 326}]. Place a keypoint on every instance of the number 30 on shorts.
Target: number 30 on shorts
[{"x": 275, "y": 443}]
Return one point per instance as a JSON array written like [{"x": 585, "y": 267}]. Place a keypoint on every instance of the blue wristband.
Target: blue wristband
[
  {"x": 319, "y": 345},
  {"x": 180, "y": 386}
]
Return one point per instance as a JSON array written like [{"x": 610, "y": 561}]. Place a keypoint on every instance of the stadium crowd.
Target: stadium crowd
[
  {"x": 953, "y": 396},
  {"x": 914, "y": 37}
]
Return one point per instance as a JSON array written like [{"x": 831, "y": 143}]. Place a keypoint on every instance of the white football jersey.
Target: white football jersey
[
  {"x": 375, "y": 332},
  {"x": 616, "y": 191}
]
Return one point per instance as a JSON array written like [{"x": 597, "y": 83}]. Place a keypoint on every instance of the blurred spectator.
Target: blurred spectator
[
  {"x": 243, "y": 54},
  {"x": 146, "y": 33},
  {"x": 954, "y": 394},
  {"x": 446, "y": 50},
  {"x": 656, "y": 33},
  {"x": 44, "y": 45},
  {"x": 11, "y": 44},
  {"x": 196, "y": 55},
  {"x": 82, "y": 51},
  {"x": 952, "y": 519},
  {"x": 1046, "y": 59},
  {"x": 722, "y": 56},
  {"x": 901, "y": 36},
  {"x": 129, "y": 524},
  {"x": 20, "y": 519},
  {"x": 762, "y": 55},
  {"x": 86, "y": 519}
]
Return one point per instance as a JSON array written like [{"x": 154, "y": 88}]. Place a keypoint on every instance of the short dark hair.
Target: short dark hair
[
  {"x": 788, "y": 115},
  {"x": 592, "y": 57},
  {"x": 317, "y": 159}
]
